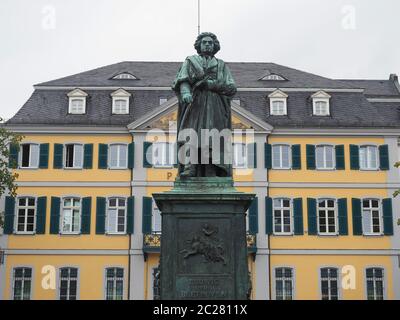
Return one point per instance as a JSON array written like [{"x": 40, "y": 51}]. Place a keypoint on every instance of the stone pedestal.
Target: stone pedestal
[{"x": 203, "y": 246}]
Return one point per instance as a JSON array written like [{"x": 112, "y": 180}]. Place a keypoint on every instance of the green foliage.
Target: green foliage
[{"x": 7, "y": 177}]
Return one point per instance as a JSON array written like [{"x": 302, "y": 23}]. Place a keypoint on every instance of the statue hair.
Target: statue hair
[{"x": 217, "y": 46}]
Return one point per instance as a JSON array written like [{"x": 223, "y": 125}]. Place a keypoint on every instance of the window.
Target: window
[
  {"x": 71, "y": 215},
  {"x": 73, "y": 156},
  {"x": 321, "y": 108},
  {"x": 278, "y": 107},
  {"x": 156, "y": 223},
  {"x": 329, "y": 284},
  {"x": 125, "y": 76},
  {"x": 327, "y": 216},
  {"x": 118, "y": 156},
  {"x": 375, "y": 288},
  {"x": 282, "y": 216},
  {"x": 369, "y": 157},
  {"x": 29, "y": 156},
  {"x": 120, "y": 101},
  {"x": 114, "y": 284},
  {"x": 121, "y": 106},
  {"x": 116, "y": 215},
  {"x": 68, "y": 283},
  {"x": 239, "y": 156},
  {"x": 325, "y": 157},
  {"x": 77, "y": 106},
  {"x": 22, "y": 282},
  {"x": 237, "y": 101},
  {"x": 371, "y": 217},
  {"x": 163, "y": 154},
  {"x": 280, "y": 157},
  {"x": 26, "y": 208},
  {"x": 284, "y": 283},
  {"x": 273, "y": 77},
  {"x": 163, "y": 100}
]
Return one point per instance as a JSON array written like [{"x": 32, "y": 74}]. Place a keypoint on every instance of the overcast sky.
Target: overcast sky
[{"x": 45, "y": 40}]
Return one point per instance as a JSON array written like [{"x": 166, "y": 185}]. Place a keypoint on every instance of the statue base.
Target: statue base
[{"x": 203, "y": 246}]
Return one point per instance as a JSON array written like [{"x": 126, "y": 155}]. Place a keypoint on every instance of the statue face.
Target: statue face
[{"x": 207, "y": 46}]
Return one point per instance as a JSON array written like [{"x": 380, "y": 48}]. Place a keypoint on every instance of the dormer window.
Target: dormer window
[
  {"x": 278, "y": 103},
  {"x": 125, "y": 76},
  {"x": 77, "y": 102},
  {"x": 273, "y": 77},
  {"x": 236, "y": 101},
  {"x": 321, "y": 103},
  {"x": 120, "y": 102}
]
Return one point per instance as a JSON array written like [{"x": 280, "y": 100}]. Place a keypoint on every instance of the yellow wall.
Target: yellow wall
[{"x": 91, "y": 273}]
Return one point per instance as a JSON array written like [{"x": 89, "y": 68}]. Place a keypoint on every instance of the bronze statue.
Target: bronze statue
[{"x": 204, "y": 86}]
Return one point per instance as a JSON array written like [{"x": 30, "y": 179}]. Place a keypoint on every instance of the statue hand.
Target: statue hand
[{"x": 187, "y": 98}]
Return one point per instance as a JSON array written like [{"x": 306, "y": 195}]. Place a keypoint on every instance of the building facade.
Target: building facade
[{"x": 318, "y": 153}]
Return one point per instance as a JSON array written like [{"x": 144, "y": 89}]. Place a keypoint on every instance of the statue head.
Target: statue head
[{"x": 207, "y": 44}]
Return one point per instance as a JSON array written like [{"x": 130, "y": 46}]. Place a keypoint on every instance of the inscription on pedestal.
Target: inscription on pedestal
[{"x": 204, "y": 287}]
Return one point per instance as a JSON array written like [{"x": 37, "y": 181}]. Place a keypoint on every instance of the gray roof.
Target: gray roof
[{"x": 348, "y": 109}]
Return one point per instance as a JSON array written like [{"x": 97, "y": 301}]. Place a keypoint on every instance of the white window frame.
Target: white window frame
[
  {"x": 117, "y": 208},
  {"x": 274, "y": 146},
  {"x": 324, "y": 160},
  {"x": 329, "y": 279},
  {"x": 120, "y": 94},
  {"x": 119, "y": 145},
  {"x": 71, "y": 105},
  {"x": 23, "y": 282},
  {"x": 374, "y": 281},
  {"x": 156, "y": 147},
  {"x": 162, "y": 100},
  {"x": 114, "y": 279},
  {"x": 124, "y": 76},
  {"x": 69, "y": 279},
  {"x": 281, "y": 208},
  {"x": 370, "y": 209},
  {"x": 77, "y": 94},
  {"x": 26, "y": 208},
  {"x": 31, "y": 165},
  {"x": 292, "y": 279},
  {"x": 369, "y": 158},
  {"x": 274, "y": 111},
  {"x": 327, "y": 233},
  {"x": 155, "y": 214},
  {"x": 74, "y": 157},
  {"x": 114, "y": 105},
  {"x": 273, "y": 77},
  {"x": 72, "y": 208},
  {"x": 236, "y": 154},
  {"x": 236, "y": 101}
]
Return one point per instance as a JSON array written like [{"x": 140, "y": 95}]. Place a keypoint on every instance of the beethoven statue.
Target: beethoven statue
[{"x": 204, "y": 86}]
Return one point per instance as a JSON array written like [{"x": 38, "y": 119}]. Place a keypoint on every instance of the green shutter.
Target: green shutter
[
  {"x": 253, "y": 216},
  {"x": 384, "y": 157},
  {"x": 130, "y": 227},
  {"x": 342, "y": 210},
  {"x": 44, "y": 156},
  {"x": 354, "y": 157},
  {"x": 147, "y": 211},
  {"x": 310, "y": 152},
  {"x": 296, "y": 157},
  {"x": 86, "y": 210},
  {"x": 13, "y": 156},
  {"x": 41, "y": 215},
  {"x": 55, "y": 215},
  {"x": 387, "y": 217},
  {"x": 58, "y": 156},
  {"x": 100, "y": 215},
  {"x": 252, "y": 155},
  {"x": 88, "y": 156},
  {"x": 339, "y": 151},
  {"x": 131, "y": 155},
  {"x": 268, "y": 215},
  {"x": 9, "y": 215},
  {"x": 312, "y": 216},
  {"x": 103, "y": 156},
  {"x": 357, "y": 223},
  {"x": 267, "y": 156},
  {"x": 147, "y": 154},
  {"x": 298, "y": 216}
]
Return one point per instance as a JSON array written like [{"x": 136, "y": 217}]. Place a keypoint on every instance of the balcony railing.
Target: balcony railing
[{"x": 152, "y": 243}]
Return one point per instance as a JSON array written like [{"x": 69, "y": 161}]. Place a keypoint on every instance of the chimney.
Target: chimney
[{"x": 395, "y": 79}]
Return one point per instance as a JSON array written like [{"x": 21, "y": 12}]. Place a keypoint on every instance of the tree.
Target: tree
[{"x": 7, "y": 177}]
